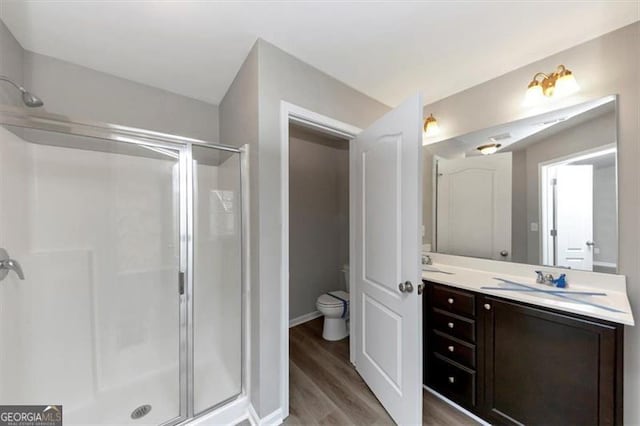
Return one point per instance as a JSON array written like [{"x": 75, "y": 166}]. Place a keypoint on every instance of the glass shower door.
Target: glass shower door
[
  {"x": 217, "y": 277},
  {"x": 95, "y": 323}
]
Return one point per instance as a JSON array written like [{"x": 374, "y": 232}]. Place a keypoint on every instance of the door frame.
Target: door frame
[
  {"x": 290, "y": 113},
  {"x": 545, "y": 248}
]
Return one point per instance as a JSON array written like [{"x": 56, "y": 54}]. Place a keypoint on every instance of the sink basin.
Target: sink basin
[
  {"x": 595, "y": 299},
  {"x": 429, "y": 268}
]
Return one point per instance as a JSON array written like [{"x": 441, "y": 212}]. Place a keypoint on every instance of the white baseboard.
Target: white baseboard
[
  {"x": 273, "y": 419},
  {"x": 456, "y": 406},
  {"x": 304, "y": 318}
]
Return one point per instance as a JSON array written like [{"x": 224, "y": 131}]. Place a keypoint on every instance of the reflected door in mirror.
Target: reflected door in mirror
[{"x": 474, "y": 206}]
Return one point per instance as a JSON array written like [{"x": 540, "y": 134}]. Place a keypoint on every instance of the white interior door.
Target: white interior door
[
  {"x": 574, "y": 209},
  {"x": 387, "y": 162},
  {"x": 474, "y": 206}
]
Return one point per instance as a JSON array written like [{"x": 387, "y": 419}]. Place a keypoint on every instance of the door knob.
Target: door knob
[
  {"x": 504, "y": 253},
  {"x": 7, "y": 264},
  {"x": 405, "y": 287}
]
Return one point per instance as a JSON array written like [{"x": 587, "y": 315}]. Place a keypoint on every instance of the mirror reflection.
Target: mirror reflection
[{"x": 542, "y": 190}]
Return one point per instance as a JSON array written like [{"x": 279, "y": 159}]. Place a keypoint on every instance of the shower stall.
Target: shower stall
[{"x": 122, "y": 288}]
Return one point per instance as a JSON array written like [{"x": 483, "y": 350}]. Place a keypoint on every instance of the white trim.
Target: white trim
[
  {"x": 273, "y": 419},
  {"x": 352, "y": 250},
  {"x": 229, "y": 414},
  {"x": 456, "y": 406},
  {"x": 310, "y": 119},
  {"x": 304, "y": 318}
]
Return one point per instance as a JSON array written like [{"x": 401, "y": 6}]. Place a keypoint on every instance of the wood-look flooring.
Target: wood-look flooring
[{"x": 326, "y": 389}]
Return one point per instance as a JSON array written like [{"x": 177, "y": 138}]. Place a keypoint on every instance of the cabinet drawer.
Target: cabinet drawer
[
  {"x": 454, "y": 325},
  {"x": 457, "y": 301},
  {"x": 454, "y": 382},
  {"x": 457, "y": 350}
]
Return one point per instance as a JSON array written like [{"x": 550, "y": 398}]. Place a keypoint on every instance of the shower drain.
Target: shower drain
[{"x": 141, "y": 411}]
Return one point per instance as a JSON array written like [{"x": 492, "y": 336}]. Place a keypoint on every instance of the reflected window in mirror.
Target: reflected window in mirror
[{"x": 546, "y": 195}]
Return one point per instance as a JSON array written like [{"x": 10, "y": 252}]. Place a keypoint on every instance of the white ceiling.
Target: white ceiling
[
  {"x": 387, "y": 50},
  {"x": 522, "y": 133}
]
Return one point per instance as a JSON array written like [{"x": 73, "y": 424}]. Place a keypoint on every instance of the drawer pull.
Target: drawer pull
[
  {"x": 451, "y": 348},
  {"x": 450, "y": 300},
  {"x": 450, "y": 325},
  {"x": 487, "y": 306},
  {"x": 452, "y": 379}
]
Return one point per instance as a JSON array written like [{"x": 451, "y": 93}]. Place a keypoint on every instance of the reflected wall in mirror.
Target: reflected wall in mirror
[{"x": 542, "y": 191}]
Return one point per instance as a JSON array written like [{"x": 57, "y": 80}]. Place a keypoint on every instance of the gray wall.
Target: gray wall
[
  {"x": 318, "y": 217},
  {"x": 88, "y": 95},
  {"x": 268, "y": 77},
  {"x": 283, "y": 77},
  {"x": 85, "y": 94},
  {"x": 238, "y": 127},
  {"x": 607, "y": 65},
  {"x": 519, "y": 226},
  {"x": 605, "y": 224},
  {"x": 11, "y": 58}
]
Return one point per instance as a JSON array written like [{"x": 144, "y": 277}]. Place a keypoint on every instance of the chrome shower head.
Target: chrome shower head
[{"x": 29, "y": 99}]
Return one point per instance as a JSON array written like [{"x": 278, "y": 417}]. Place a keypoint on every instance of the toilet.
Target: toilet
[{"x": 334, "y": 305}]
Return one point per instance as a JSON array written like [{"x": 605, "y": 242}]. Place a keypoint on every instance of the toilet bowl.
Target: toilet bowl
[{"x": 334, "y": 305}]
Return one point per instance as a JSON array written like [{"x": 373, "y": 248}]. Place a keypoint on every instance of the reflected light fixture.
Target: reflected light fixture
[
  {"x": 488, "y": 149},
  {"x": 559, "y": 83},
  {"x": 431, "y": 126}
]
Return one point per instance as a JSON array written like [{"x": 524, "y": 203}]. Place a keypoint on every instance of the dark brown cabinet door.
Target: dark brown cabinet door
[{"x": 547, "y": 368}]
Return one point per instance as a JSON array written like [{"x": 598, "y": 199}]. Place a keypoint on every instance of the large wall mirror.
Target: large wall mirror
[{"x": 542, "y": 190}]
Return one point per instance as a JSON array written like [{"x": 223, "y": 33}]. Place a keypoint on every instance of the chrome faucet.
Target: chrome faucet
[
  {"x": 7, "y": 264},
  {"x": 426, "y": 259},
  {"x": 543, "y": 278}
]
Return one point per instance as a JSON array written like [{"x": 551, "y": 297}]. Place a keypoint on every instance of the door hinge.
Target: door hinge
[
  {"x": 554, "y": 181},
  {"x": 553, "y": 232}
]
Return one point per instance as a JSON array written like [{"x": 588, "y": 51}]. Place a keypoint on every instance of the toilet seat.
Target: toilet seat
[
  {"x": 334, "y": 306},
  {"x": 331, "y": 301}
]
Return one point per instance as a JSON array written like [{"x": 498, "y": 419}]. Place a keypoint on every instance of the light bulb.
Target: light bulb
[
  {"x": 489, "y": 149},
  {"x": 534, "y": 94},
  {"x": 566, "y": 85},
  {"x": 431, "y": 126}
]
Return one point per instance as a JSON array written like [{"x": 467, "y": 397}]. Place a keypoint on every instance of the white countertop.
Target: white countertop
[{"x": 474, "y": 274}]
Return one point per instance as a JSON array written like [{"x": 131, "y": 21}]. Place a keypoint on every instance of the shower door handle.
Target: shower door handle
[
  {"x": 181, "y": 283},
  {"x": 7, "y": 264}
]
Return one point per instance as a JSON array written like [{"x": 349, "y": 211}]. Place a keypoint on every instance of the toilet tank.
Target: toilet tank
[{"x": 345, "y": 272}]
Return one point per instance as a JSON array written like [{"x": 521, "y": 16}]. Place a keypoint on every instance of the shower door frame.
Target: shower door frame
[{"x": 20, "y": 117}]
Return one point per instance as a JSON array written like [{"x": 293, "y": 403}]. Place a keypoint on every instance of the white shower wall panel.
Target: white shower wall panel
[{"x": 96, "y": 234}]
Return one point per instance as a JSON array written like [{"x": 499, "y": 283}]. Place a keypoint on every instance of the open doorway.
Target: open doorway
[
  {"x": 319, "y": 230},
  {"x": 316, "y": 239},
  {"x": 375, "y": 376},
  {"x": 578, "y": 211}
]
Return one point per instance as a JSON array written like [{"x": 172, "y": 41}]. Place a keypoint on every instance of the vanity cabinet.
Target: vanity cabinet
[{"x": 514, "y": 363}]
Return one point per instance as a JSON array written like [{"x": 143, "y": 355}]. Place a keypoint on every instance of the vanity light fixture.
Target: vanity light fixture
[
  {"x": 559, "y": 83},
  {"x": 431, "y": 126},
  {"x": 488, "y": 149}
]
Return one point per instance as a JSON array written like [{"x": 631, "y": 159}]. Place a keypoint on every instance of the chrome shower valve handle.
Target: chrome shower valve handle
[{"x": 7, "y": 264}]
